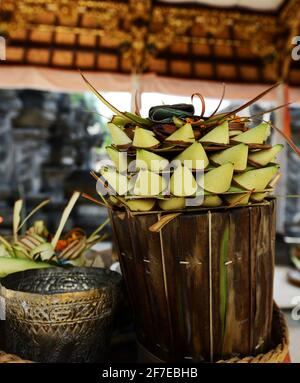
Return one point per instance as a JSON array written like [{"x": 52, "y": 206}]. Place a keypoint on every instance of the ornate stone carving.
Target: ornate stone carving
[{"x": 143, "y": 28}]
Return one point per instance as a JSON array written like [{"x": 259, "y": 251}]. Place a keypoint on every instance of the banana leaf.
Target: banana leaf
[
  {"x": 130, "y": 116},
  {"x": 164, "y": 113},
  {"x": 223, "y": 277},
  {"x": 65, "y": 217},
  {"x": 43, "y": 252},
  {"x": 119, "y": 120},
  {"x": 37, "y": 208},
  {"x": 17, "y": 218},
  {"x": 138, "y": 119},
  {"x": 178, "y": 122},
  {"x": 6, "y": 244},
  {"x": 255, "y": 99},
  {"x": 14, "y": 265},
  {"x": 3, "y": 251},
  {"x": 20, "y": 251},
  {"x": 91, "y": 237}
]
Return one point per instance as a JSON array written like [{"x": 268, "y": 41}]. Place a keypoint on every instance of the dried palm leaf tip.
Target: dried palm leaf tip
[{"x": 175, "y": 159}]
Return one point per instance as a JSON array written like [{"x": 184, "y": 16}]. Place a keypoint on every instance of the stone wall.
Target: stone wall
[
  {"x": 9, "y": 108},
  {"x": 44, "y": 145},
  {"x": 292, "y": 222}
]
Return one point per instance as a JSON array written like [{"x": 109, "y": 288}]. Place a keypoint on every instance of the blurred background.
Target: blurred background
[{"x": 53, "y": 132}]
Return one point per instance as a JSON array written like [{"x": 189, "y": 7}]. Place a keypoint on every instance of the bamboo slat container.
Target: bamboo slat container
[{"x": 202, "y": 287}]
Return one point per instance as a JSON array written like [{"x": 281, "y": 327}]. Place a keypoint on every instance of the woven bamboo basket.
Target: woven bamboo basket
[{"x": 201, "y": 288}]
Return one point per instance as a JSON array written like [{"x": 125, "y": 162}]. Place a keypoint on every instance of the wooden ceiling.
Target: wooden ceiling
[{"x": 176, "y": 40}]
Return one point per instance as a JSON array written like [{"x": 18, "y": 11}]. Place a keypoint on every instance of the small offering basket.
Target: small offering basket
[{"x": 60, "y": 315}]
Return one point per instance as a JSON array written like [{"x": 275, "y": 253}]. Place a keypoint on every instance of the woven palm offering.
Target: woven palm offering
[
  {"x": 189, "y": 199},
  {"x": 175, "y": 160},
  {"x": 36, "y": 247}
]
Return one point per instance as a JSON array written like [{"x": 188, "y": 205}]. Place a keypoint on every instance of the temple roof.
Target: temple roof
[
  {"x": 256, "y": 5},
  {"x": 244, "y": 41}
]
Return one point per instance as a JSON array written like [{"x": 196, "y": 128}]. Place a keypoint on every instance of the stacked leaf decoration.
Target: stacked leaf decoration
[
  {"x": 37, "y": 248},
  {"x": 175, "y": 163}
]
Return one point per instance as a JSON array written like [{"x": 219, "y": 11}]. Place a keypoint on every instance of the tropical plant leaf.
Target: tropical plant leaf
[
  {"x": 223, "y": 277},
  {"x": 236, "y": 203},
  {"x": 163, "y": 114},
  {"x": 13, "y": 265},
  {"x": 96, "y": 239},
  {"x": 218, "y": 118},
  {"x": 129, "y": 116},
  {"x": 288, "y": 140},
  {"x": 17, "y": 218},
  {"x": 98, "y": 229},
  {"x": 269, "y": 110},
  {"x": 92, "y": 199},
  {"x": 94, "y": 112},
  {"x": 20, "y": 251},
  {"x": 138, "y": 120},
  {"x": 30, "y": 241},
  {"x": 4, "y": 251},
  {"x": 65, "y": 217},
  {"x": 101, "y": 98},
  {"x": 119, "y": 120},
  {"x": 73, "y": 250},
  {"x": 38, "y": 207},
  {"x": 94, "y": 175},
  {"x": 6, "y": 244},
  {"x": 275, "y": 180},
  {"x": 255, "y": 99},
  {"x": 211, "y": 121},
  {"x": 44, "y": 252}
]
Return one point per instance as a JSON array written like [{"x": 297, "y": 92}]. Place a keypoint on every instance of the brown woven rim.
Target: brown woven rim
[
  {"x": 280, "y": 339},
  {"x": 8, "y": 358}
]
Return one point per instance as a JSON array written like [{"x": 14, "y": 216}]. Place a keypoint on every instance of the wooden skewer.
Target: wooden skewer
[{"x": 92, "y": 199}]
